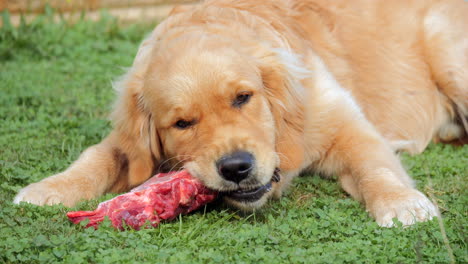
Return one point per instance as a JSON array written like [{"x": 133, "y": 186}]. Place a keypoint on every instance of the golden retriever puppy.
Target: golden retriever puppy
[{"x": 246, "y": 94}]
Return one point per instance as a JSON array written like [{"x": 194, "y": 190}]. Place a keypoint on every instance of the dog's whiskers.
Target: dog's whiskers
[
  {"x": 281, "y": 155},
  {"x": 179, "y": 158},
  {"x": 164, "y": 163}
]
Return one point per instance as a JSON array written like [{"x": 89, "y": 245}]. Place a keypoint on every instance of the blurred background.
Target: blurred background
[{"x": 124, "y": 10}]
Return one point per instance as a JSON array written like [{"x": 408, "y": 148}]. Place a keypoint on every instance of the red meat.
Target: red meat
[{"x": 162, "y": 197}]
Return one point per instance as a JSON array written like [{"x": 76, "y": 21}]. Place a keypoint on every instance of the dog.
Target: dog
[{"x": 247, "y": 94}]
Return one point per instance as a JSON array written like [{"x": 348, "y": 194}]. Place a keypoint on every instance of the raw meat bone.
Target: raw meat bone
[{"x": 162, "y": 197}]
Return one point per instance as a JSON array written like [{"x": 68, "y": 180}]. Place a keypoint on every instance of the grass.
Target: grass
[{"x": 55, "y": 94}]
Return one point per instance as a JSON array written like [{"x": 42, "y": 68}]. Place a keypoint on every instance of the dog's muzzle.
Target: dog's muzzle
[{"x": 252, "y": 195}]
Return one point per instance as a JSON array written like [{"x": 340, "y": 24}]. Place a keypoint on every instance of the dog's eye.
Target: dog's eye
[
  {"x": 241, "y": 98},
  {"x": 183, "y": 124}
]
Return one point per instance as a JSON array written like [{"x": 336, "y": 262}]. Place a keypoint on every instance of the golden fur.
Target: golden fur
[{"x": 337, "y": 87}]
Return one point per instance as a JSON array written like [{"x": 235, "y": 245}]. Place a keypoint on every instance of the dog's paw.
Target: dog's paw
[
  {"x": 406, "y": 205},
  {"x": 41, "y": 193}
]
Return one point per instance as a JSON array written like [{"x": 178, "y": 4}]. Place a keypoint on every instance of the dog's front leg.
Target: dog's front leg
[
  {"x": 370, "y": 171},
  {"x": 341, "y": 141},
  {"x": 99, "y": 169}
]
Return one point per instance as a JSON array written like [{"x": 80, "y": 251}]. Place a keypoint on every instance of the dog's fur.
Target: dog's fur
[{"x": 337, "y": 87}]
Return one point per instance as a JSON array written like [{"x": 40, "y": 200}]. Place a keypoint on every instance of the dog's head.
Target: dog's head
[{"x": 231, "y": 116}]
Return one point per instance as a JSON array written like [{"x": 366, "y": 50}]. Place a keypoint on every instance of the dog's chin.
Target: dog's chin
[
  {"x": 248, "y": 205},
  {"x": 253, "y": 198}
]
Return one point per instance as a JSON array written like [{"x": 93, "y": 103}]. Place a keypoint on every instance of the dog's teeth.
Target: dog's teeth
[{"x": 276, "y": 176}]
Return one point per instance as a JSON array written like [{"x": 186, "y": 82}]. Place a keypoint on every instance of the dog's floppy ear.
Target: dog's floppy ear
[
  {"x": 281, "y": 73},
  {"x": 137, "y": 137}
]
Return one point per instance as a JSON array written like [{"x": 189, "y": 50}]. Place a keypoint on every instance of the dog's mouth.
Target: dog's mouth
[{"x": 252, "y": 195}]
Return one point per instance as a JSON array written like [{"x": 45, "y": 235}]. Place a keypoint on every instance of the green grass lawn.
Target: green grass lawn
[{"x": 55, "y": 94}]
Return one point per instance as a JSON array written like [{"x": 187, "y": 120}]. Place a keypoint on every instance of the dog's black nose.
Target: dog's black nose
[{"x": 236, "y": 166}]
